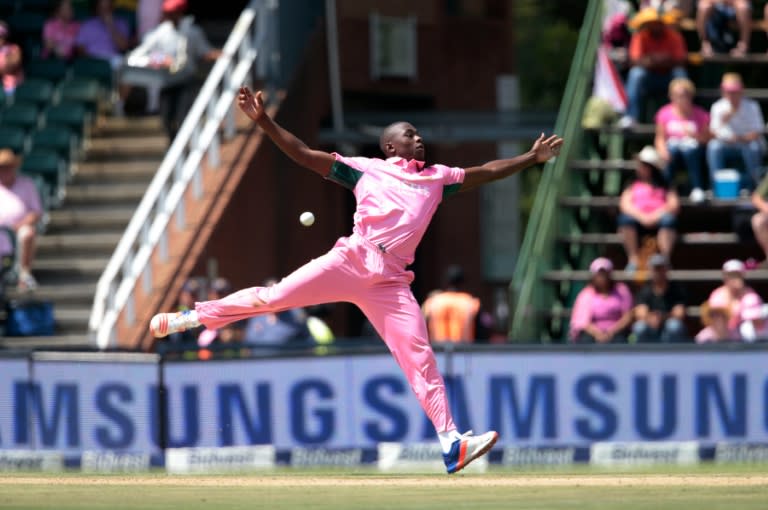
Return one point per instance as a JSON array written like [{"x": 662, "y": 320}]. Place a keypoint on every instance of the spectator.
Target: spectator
[
  {"x": 716, "y": 325},
  {"x": 760, "y": 219},
  {"x": 451, "y": 313},
  {"x": 714, "y": 19},
  {"x": 648, "y": 205},
  {"x": 20, "y": 210},
  {"x": 104, "y": 35},
  {"x": 734, "y": 294},
  {"x": 755, "y": 324},
  {"x": 177, "y": 46},
  {"x": 682, "y": 131},
  {"x": 60, "y": 32},
  {"x": 602, "y": 311},
  {"x": 657, "y": 54},
  {"x": 660, "y": 306},
  {"x": 737, "y": 127},
  {"x": 10, "y": 62},
  {"x": 149, "y": 14},
  {"x": 277, "y": 329}
]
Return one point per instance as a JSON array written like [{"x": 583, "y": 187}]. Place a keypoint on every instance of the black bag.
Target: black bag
[{"x": 29, "y": 318}]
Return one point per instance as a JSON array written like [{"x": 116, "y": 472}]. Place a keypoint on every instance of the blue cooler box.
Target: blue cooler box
[{"x": 727, "y": 183}]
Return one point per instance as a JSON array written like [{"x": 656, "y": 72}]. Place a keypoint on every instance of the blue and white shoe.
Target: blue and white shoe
[
  {"x": 164, "y": 324},
  {"x": 468, "y": 448}
]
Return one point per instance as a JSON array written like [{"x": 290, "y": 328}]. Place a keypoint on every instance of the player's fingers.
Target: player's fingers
[
  {"x": 259, "y": 96},
  {"x": 557, "y": 143},
  {"x": 551, "y": 139}
]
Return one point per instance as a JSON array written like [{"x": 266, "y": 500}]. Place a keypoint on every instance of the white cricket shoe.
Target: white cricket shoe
[
  {"x": 164, "y": 324},
  {"x": 468, "y": 448}
]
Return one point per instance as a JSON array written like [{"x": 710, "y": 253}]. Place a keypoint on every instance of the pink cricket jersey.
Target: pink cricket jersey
[{"x": 396, "y": 199}]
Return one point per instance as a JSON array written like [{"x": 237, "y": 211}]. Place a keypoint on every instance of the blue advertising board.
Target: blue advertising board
[{"x": 533, "y": 398}]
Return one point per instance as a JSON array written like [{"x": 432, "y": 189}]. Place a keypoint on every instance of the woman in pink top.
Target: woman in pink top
[
  {"x": 682, "y": 132},
  {"x": 602, "y": 311},
  {"x": 734, "y": 294},
  {"x": 648, "y": 205},
  {"x": 60, "y": 32},
  {"x": 396, "y": 199},
  {"x": 10, "y": 62}
]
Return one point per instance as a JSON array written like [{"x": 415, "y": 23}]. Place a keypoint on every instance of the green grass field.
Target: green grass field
[{"x": 700, "y": 488}]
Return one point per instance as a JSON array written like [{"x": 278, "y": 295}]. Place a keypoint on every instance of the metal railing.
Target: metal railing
[
  {"x": 198, "y": 136},
  {"x": 537, "y": 253}
]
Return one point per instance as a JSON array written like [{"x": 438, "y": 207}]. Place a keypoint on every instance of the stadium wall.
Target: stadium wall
[{"x": 130, "y": 412}]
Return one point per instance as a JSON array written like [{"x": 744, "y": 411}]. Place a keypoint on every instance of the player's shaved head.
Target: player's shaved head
[{"x": 390, "y": 132}]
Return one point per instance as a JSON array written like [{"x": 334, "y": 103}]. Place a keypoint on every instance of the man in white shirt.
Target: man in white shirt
[{"x": 737, "y": 128}]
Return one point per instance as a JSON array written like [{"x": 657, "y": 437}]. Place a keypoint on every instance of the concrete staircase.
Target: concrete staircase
[{"x": 107, "y": 185}]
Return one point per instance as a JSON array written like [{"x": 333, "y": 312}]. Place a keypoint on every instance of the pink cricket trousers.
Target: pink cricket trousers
[{"x": 358, "y": 272}]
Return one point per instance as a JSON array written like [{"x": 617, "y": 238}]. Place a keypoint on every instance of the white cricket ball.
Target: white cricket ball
[{"x": 307, "y": 218}]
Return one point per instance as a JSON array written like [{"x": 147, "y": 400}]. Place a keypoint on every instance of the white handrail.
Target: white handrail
[{"x": 198, "y": 135}]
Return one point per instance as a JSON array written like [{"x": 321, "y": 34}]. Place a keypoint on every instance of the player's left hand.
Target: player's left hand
[{"x": 546, "y": 148}]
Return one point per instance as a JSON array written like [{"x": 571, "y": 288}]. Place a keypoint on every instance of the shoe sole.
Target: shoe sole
[{"x": 480, "y": 453}]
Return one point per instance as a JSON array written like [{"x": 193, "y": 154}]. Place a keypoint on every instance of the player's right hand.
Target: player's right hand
[{"x": 251, "y": 104}]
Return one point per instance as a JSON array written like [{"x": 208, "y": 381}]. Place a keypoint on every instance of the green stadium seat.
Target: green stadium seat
[
  {"x": 56, "y": 138},
  {"x": 73, "y": 116},
  {"x": 23, "y": 115},
  {"x": 51, "y": 69},
  {"x": 78, "y": 90},
  {"x": 42, "y": 6},
  {"x": 95, "y": 69},
  {"x": 25, "y": 24},
  {"x": 13, "y": 138},
  {"x": 48, "y": 165},
  {"x": 35, "y": 91}
]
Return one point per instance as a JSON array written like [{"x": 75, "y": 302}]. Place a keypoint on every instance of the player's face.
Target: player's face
[{"x": 408, "y": 144}]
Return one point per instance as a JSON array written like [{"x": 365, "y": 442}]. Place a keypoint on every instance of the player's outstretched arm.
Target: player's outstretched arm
[
  {"x": 543, "y": 149},
  {"x": 253, "y": 106}
]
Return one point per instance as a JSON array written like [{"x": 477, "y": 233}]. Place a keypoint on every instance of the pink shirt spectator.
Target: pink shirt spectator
[
  {"x": 15, "y": 203},
  {"x": 647, "y": 197},
  {"x": 600, "y": 310},
  {"x": 721, "y": 297},
  {"x": 62, "y": 35},
  {"x": 708, "y": 335},
  {"x": 677, "y": 127},
  {"x": 96, "y": 41},
  {"x": 14, "y": 79},
  {"x": 396, "y": 199}
]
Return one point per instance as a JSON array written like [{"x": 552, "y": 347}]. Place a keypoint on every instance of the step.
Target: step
[
  {"x": 127, "y": 148},
  {"x": 69, "y": 243},
  {"x": 682, "y": 275},
  {"x": 138, "y": 169},
  {"x": 693, "y": 238},
  {"x": 624, "y": 165},
  {"x": 90, "y": 217},
  {"x": 112, "y": 192},
  {"x": 72, "y": 292},
  {"x": 67, "y": 341},
  {"x": 68, "y": 265},
  {"x": 603, "y": 202},
  {"x": 127, "y": 126}
]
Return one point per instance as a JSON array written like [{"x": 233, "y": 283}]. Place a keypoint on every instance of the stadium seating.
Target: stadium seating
[
  {"x": 34, "y": 91},
  {"x": 93, "y": 69},
  {"x": 13, "y": 138},
  {"x": 48, "y": 165},
  {"x": 55, "y": 138},
  {"x": 73, "y": 116},
  {"x": 22, "y": 115},
  {"x": 51, "y": 69},
  {"x": 79, "y": 90}
]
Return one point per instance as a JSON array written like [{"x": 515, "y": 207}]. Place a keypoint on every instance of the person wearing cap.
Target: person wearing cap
[
  {"x": 737, "y": 125},
  {"x": 178, "y": 47},
  {"x": 660, "y": 306},
  {"x": 646, "y": 206},
  {"x": 11, "y": 71},
  {"x": 657, "y": 54},
  {"x": 20, "y": 210},
  {"x": 682, "y": 132},
  {"x": 716, "y": 320},
  {"x": 734, "y": 294},
  {"x": 714, "y": 19},
  {"x": 602, "y": 311}
]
